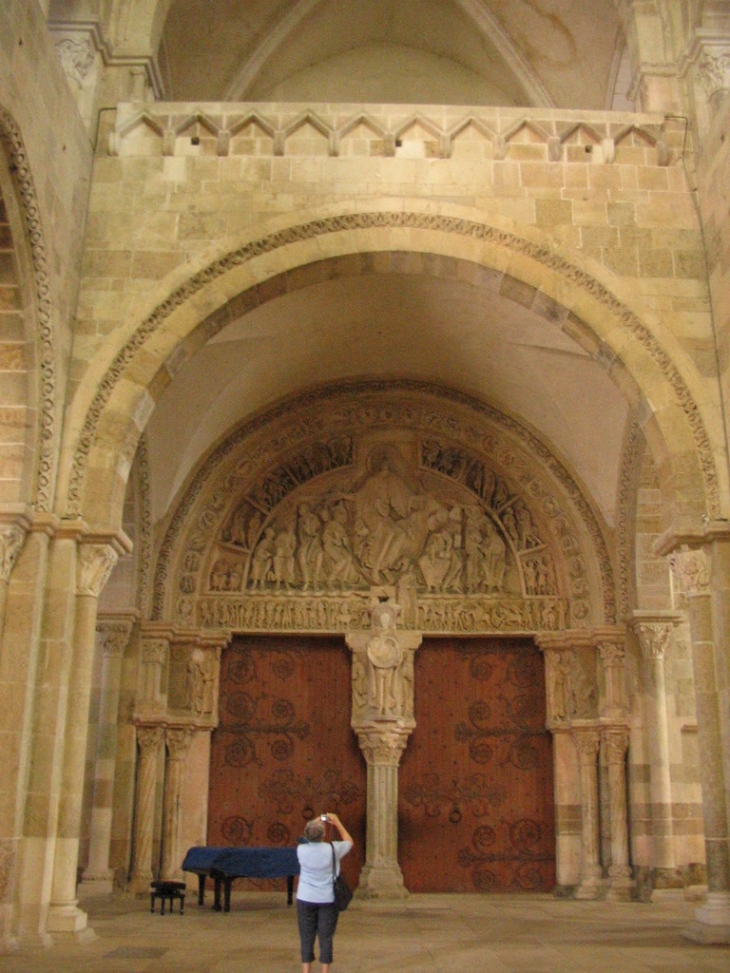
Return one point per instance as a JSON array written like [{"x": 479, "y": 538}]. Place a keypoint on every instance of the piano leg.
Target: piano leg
[
  {"x": 289, "y": 889},
  {"x": 201, "y": 889},
  {"x": 217, "y": 894},
  {"x": 227, "y": 882}
]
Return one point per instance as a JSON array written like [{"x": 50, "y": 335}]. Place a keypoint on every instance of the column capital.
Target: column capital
[
  {"x": 616, "y": 742},
  {"x": 178, "y": 739},
  {"x": 587, "y": 740},
  {"x": 653, "y": 630},
  {"x": 384, "y": 743},
  {"x": 95, "y": 563}
]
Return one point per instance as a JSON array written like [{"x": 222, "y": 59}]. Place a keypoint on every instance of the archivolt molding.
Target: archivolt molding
[
  {"x": 144, "y": 526},
  {"x": 631, "y": 458},
  {"x": 20, "y": 169},
  {"x": 457, "y": 508},
  {"x": 439, "y": 223}
]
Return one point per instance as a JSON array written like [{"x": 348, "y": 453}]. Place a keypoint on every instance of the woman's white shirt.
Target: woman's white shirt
[{"x": 315, "y": 862}]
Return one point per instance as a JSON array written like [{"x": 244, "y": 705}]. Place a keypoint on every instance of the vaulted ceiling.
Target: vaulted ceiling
[{"x": 564, "y": 53}]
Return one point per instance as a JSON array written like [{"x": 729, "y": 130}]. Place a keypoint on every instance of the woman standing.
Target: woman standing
[{"x": 316, "y": 910}]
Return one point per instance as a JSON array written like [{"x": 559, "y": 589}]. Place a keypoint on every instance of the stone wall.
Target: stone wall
[{"x": 713, "y": 180}]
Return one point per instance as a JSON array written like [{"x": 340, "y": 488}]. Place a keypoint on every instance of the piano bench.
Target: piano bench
[{"x": 167, "y": 892}]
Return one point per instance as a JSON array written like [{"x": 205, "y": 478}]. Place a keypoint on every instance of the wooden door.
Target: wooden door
[
  {"x": 284, "y": 749},
  {"x": 476, "y": 805}
]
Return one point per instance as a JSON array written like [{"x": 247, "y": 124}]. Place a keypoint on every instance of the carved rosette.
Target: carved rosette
[
  {"x": 691, "y": 570},
  {"x": 95, "y": 563}
]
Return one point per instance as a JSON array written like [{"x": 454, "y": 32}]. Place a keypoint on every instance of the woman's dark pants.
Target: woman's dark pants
[{"x": 316, "y": 920}]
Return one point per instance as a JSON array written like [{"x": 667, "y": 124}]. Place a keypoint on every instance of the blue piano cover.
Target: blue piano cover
[{"x": 243, "y": 862}]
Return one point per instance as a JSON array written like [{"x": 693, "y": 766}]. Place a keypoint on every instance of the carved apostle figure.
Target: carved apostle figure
[
  {"x": 201, "y": 682},
  {"x": 385, "y": 655}
]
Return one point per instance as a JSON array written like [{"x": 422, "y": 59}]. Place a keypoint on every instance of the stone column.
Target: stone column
[
  {"x": 654, "y": 632},
  {"x": 150, "y": 740},
  {"x": 615, "y": 742},
  {"x": 382, "y": 717},
  {"x": 702, "y": 576},
  {"x": 587, "y": 740},
  {"x": 382, "y": 746},
  {"x": 616, "y": 745},
  {"x": 571, "y": 696},
  {"x": 113, "y": 632},
  {"x": 94, "y": 565},
  {"x": 178, "y": 743}
]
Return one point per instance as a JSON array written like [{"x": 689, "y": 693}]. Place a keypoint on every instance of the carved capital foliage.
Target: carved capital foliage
[
  {"x": 612, "y": 654},
  {"x": 95, "y": 563},
  {"x": 384, "y": 744},
  {"x": 12, "y": 537},
  {"x": 114, "y": 636},
  {"x": 587, "y": 741},
  {"x": 154, "y": 651},
  {"x": 713, "y": 70},
  {"x": 654, "y": 638},
  {"x": 178, "y": 741},
  {"x": 77, "y": 56},
  {"x": 616, "y": 744},
  {"x": 150, "y": 740},
  {"x": 691, "y": 570}
]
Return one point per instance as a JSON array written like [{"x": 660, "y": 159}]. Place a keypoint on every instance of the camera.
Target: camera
[{"x": 323, "y": 817}]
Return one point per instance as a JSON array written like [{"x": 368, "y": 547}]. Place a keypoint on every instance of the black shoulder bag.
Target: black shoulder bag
[{"x": 343, "y": 894}]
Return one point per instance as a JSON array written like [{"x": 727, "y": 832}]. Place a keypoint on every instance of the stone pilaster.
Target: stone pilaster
[
  {"x": 587, "y": 739},
  {"x": 150, "y": 740},
  {"x": 178, "y": 743},
  {"x": 96, "y": 559},
  {"x": 154, "y": 659},
  {"x": 113, "y": 633},
  {"x": 701, "y": 573},
  {"x": 654, "y": 633}
]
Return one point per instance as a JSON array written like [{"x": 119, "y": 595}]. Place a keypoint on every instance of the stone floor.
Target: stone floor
[{"x": 435, "y": 933}]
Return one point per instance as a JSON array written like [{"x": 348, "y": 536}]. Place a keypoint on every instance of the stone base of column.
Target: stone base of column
[
  {"x": 711, "y": 923},
  {"x": 591, "y": 885},
  {"x": 94, "y": 886},
  {"x": 139, "y": 884},
  {"x": 69, "y": 920},
  {"x": 381, "y": 882},
  {"x": 621, "y": 884}
]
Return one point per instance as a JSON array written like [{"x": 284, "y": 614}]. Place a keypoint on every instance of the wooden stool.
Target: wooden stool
[{"x": 167, "y": 891}]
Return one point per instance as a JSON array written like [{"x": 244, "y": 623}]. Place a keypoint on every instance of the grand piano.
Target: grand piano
[{"x": 223, "y": 865}]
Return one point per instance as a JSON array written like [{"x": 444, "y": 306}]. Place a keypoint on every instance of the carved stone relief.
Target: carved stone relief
[{"x": 299, "y": 525}]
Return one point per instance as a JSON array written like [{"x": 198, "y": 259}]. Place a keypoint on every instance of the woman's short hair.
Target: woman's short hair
[{"x": 314, "y": 830}]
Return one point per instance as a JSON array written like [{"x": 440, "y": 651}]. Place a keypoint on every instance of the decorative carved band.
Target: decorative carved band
[
  {"x": 392, "y": 220},
  {"x": 12, "y": 141}
]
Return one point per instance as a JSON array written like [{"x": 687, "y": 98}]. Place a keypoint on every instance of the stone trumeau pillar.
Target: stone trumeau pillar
[
  {"x": 654, "y": 633},
  {"x": 113, "y": 632},
  {"x": 382, "y": 717},
  {"x": 703, "y": 574},
  {"x": 96, "y": 559}
]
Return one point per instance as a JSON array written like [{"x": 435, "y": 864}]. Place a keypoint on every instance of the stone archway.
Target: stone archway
[{"x": 594, "y": 307}]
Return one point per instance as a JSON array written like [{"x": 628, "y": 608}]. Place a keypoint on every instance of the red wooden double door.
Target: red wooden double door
[{"x": 476, "y": 809}]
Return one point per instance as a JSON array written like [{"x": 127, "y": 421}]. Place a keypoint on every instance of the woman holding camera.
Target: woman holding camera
[{"x": 316, "y": 910}]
